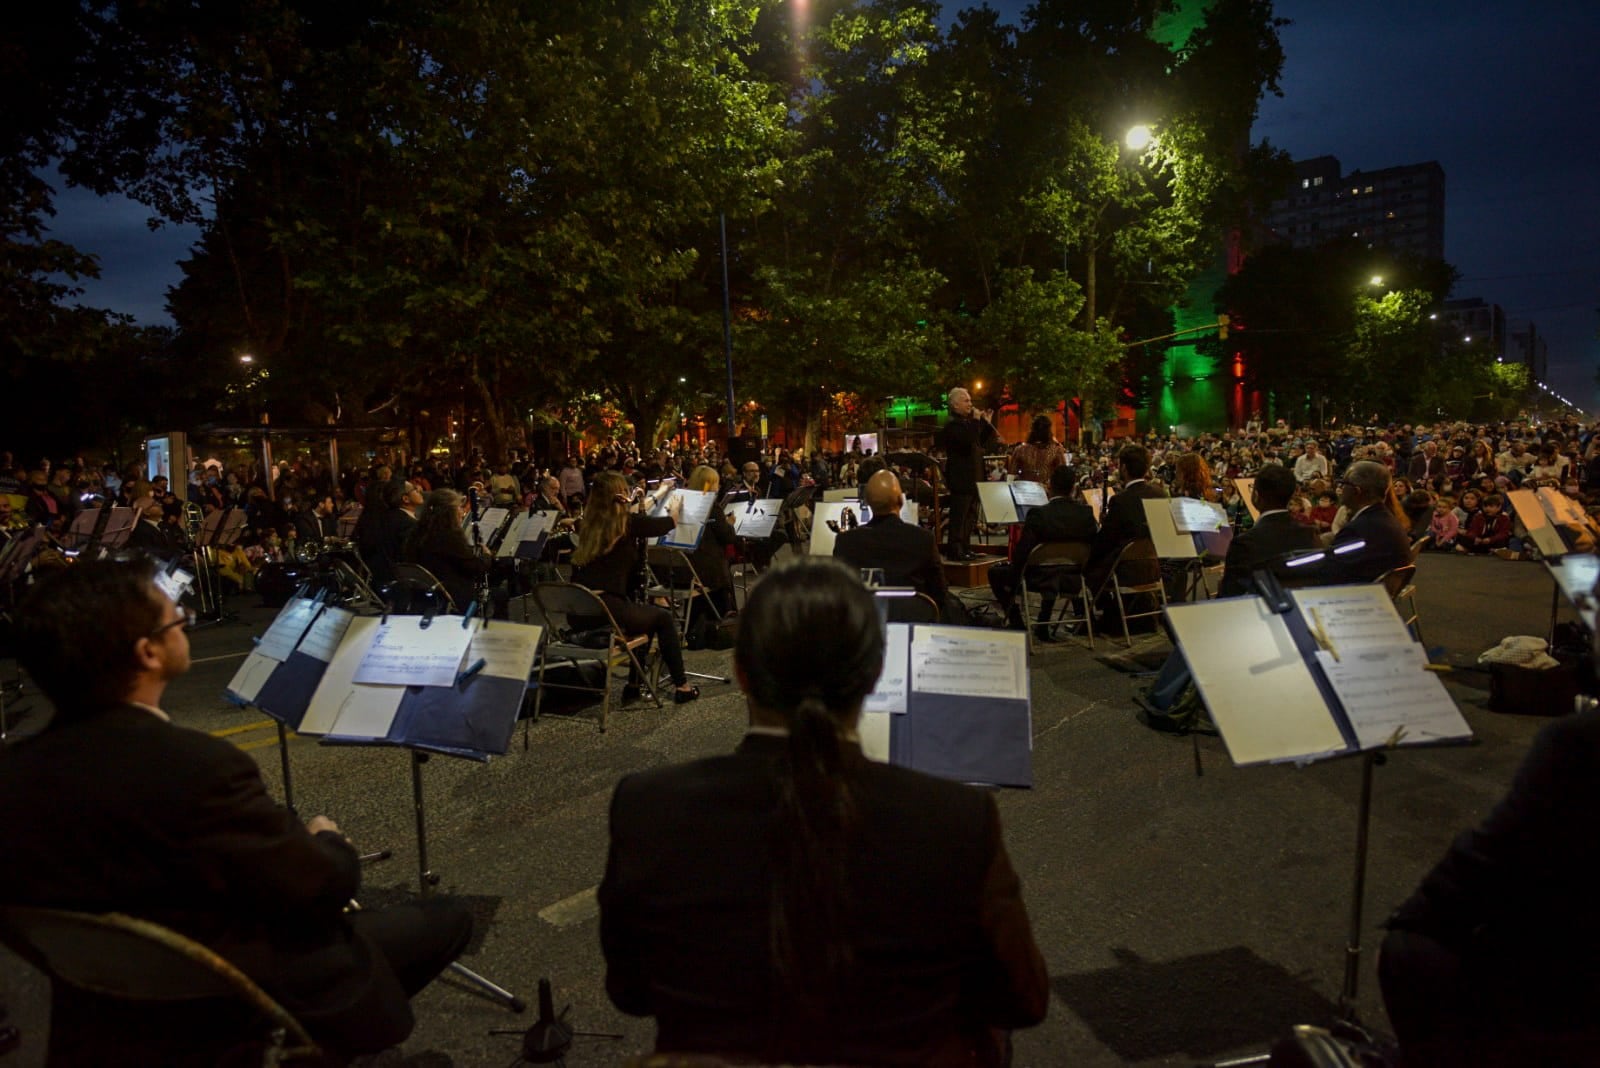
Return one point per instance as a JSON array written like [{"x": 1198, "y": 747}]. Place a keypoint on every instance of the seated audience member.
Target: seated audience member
[
  {"x": 607, "y": 561},
  {"x": 1491, "y": 961},
  {"x": 1418, "y": 508},
  {"x": 1489, "y": 530},
  {"x": 906, "y": 554},
  {"x": 175, "y": 826},
  {"x": 1324, "y": 513},
  {"x": 1063, "y": 519},
  {"x": 796, "y": 903},
  {"x": 1443, "y": 529}
]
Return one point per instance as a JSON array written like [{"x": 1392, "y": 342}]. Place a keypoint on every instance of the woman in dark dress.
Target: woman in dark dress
[
  {"x": 439, "y": 544},
  {"x": 608, "y": 561}
]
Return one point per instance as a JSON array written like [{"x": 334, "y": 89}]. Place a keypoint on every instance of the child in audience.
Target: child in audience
[
  {"x": 1490, "y": 530},
  {"x": 1445, "y": 524},
  {"x": 1467, "y": 508},
  {"x": 1322, "y": 515}
]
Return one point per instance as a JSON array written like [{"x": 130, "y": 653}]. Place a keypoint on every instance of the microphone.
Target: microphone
[{"x": 472, "y": 495}]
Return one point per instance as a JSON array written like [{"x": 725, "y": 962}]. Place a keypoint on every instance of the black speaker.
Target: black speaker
[{"x": 744, "y": 449}]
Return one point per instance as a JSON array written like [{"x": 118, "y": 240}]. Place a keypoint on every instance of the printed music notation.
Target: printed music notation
[
  {"x": 286, "y": 630},
  {"x": 889, "y": 695},
  {"x": 952, "y": 660},
  {"x": 1389, "y": 699},
  {"x": 405, "y": 653},
  {"x": 323, "y": 639}
]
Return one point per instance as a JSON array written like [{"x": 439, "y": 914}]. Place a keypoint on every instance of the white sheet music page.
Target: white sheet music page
[
  {"x": 367, "y": 712},
  {"x": 1354, "y": 619},
  {"x": 889, "y": 695},
  {"x": 284, "y": 634},
  {"x": 1196, "y": 517},
  {"x": 1388, "y": 698},
  {"x": 323, "y": 639},
  {"x": 251, "y": 676},
  {"x": 967, "y": 662},
  {"x": 1028, "y": 494},
  {"x": 405, "y": 653},
  {"x": 756, "y": 518},
  {"x": 507, "y": 649},
  {"x": 337, "y": 681},
  {"x": 873, "y": 733},
  {"x": 999, "y": 506},
  {"x": 489, "y": 521},
  {"x": 694, "y": 506},
  {"x": 513, "y": 538}
]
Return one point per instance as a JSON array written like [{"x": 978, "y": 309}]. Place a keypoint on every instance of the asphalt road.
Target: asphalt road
[{"x": 1184, "y": 916}]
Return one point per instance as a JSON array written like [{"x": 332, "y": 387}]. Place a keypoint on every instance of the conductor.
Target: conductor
[{"x": 965, "y": 437}]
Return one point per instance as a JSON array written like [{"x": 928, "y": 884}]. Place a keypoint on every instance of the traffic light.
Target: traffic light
[{"x": 1222, "y": 326}]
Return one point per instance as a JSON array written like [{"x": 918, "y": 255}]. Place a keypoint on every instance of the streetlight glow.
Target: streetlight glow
[
  {"x": 245, "y": 357},
  {"x": 1377, "y": 279},
  {"x": 1139, "y": 137}
]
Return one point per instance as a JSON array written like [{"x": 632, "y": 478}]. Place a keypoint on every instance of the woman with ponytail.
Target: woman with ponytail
[{"x": 795, "y": 902}]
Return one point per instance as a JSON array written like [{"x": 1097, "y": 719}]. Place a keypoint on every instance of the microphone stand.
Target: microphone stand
[{"x": 480, "y": 588}]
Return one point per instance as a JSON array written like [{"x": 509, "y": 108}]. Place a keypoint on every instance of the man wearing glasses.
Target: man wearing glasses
[{"x": 128, "y": 812}]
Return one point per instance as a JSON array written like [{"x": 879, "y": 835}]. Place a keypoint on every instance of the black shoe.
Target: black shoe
[
  {"x": 683, "y": 697},
  {"x": 630, "y": 693}
]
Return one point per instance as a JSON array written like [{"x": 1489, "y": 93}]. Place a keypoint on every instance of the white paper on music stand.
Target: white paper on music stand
[
  {"x": 1245, "y": 486},
  {"x": 285, "y": 632},
  {"x": 873, "y": 732},
  {"x": 848, "y": 493},
  {"x": 821, "y": 536},
  {"x": 1170, "y": 545},
  {"x": 756, "y": 518},
  {"x": 966, "y": 662},
  {"x": 1355, "y": 619},
  {"x": 322, "y": 640},
  {"x": 338, "y": 678},
  {"x": 1384, "y": 691},
  {"x": 367, "y": 712},
  {"x": 1259, "y": 690},
  {"x": 513, "y": 538},
  {"x": 1096, "y": 499},
  {"x": 1577, "y": 574},
  {"x": 999, "y": 506},
  {"x": 1028, "y": 494},
  {"x": 507, "y": 649},
  {"x": 1190, "y": 516},
  {"x": 405, "y": 653},
  {"x": 1561, "y": 508},
  {"x": 1530, "y": 510},
  {"x": 251, "y": 676},
  {"x": 537, "y": 526},
  {"x": 889, "y": 695},
  {"x": 694, "y": 506}
]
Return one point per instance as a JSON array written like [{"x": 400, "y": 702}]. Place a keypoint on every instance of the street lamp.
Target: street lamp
[
  {"x": 1377, "y": 279},
  {"x": 1138, "y": 137},
  {"x": 246, "y": 358}
]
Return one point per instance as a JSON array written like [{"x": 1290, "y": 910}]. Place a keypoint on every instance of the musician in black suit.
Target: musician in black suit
[
  {"x": 1123, "y": 519},
  {"x": 796, "y": 903},
  {"x": 1374, "y": 521},
  {"x": 1492, "y": 959},
  {"x": 965, "y": 437},
  {"x": 1274, "y": 535},
  {"x": 906, "y": 554},
  {"x": 127, "y": 812},
  {"x": 1063, "y": 519}
]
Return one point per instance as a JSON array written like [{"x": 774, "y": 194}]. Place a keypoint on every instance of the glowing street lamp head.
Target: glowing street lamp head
[
  {"x": 1377, "y": 279},
  {"x": 1138, "y": 137},
  {"x": 246, "y": 358}
]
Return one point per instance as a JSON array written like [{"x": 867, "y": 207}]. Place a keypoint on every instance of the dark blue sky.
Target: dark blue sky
[{"x": 1502, "y": 94}]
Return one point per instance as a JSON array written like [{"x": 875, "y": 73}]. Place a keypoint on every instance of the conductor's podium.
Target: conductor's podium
[{"x": 973, "y": 572}]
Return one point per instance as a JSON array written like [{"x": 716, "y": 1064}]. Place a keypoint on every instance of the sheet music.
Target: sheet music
[
  {"x": 965, "y": 662},
  {"x": 405, "y": 653},
  {"x": 1577, "y": 575},
  {"x": 873, "y": 732},
  {"x": 1196, "y": 517},
  {"x": 285, "y": 632},
  {"x": 175, "y": 584},
  {"x": 1530, "y": 509},
  {"x": 323, "y": 639},
  {"x": 683, "y": 536},
  {"x": 1170, "y": 545},
  {"x": 1260, "y": 691},
  {"x": 366, "y": 712},
  {"x": 908, "y": 511},
  {"x": 846, "y": 493},
  {"x": 489, "y": 521},
  {"x": 889, "y": 694},
  {"x": 1561, "y": 508},
  {"x": 756, "y": 518},
  {"x": 694, "y": 506},
  {"x": 1028, "y": 494},
  {"x": 508, "y": 649},
  {"x": 337, "y": 680},
  {"x": 999, "y": 506},
  {"x": 1384, "y": 690},
  {"x": 1355, "y": 619},
  {"x": 251, "y": 676},
  {"x": 513, "y": 538}
]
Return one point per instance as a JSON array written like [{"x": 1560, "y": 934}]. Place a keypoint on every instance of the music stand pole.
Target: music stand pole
[
  {"x": 288, "y": 779},
  {"x": 1352, "y": 951},
  {"x": 428, "y": 879}
]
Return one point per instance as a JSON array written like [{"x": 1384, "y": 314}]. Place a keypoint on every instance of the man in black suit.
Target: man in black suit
[
  {"x": 1275, "y": 532},
  {"x": 1124, "y": 520},
  {"x": 127, "y": 812},
  {"x": 905, "y": 553},
  {"x": 1492, "y": 959},
  {"x": 1426, "y": 465},
  {"x": 1274, "y": 535},
  {"x": 1364, "y": 490},
  {"x": 1063, "y": 519},
  {"x": 965, "y": 438}
]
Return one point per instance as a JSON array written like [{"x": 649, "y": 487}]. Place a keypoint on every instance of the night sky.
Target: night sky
[{"x": 1500, "y": 93}]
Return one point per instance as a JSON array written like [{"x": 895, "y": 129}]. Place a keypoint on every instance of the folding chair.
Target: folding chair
[
  {"x": 412, "y": 582},
  {"x": 1402, "y": 588},
  {"x": 569, "y": 611},
  {"x": 1137, "y": 572},
  {"x": 1059, "y": 563},
  {"x": 668, "y": 566},
  {"x": 1419, "y": 545},
  {"x": 134, "y": 960},
  {"x": 917, "y": 609}
]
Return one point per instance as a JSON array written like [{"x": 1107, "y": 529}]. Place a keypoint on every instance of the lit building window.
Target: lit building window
[{"x": 1305, "y": 183}]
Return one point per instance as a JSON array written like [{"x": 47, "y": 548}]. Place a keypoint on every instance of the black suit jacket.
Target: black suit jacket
[
  {"x": 1387, "y": 548},
  {"x": 943, "y": 947},
  {"x": 964, "y": 440},
  {"x": 907, "y": 554},
  {"x": 122, "y": 811},
  {"x": 1271, "y": 537},
  {"x": 1062, "y": 519},
  {"x": 1124, "y": 519}
]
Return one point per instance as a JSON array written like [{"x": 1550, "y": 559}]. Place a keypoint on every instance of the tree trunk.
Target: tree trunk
[{"x": 493, "y": 422}]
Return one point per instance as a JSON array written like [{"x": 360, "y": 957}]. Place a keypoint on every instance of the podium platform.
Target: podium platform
[{"x": 970, "y": 572}]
